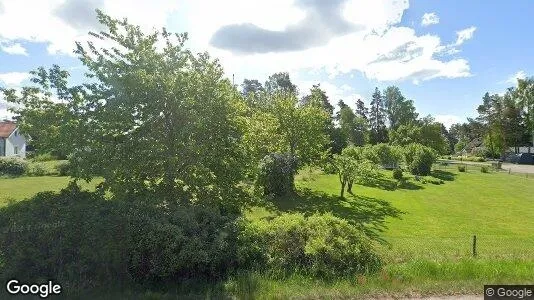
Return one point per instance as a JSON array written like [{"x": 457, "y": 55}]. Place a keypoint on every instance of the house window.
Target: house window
[{"x": 16, "y": 150}]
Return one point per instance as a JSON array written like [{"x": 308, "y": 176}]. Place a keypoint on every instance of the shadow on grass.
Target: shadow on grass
[
  {"x": 369, "y": 214},
  {"x": 389, "y": 184},
  {"x": 443, "y": 175}
]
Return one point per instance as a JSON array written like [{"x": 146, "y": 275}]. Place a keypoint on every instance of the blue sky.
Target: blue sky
[{"x": 442, "y": 54}]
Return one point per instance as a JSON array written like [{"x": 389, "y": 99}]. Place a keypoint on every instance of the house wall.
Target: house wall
[{"x": 16, "y": 140}]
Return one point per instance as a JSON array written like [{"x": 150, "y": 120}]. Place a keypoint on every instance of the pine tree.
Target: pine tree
[{"x": 377, "y": 119}]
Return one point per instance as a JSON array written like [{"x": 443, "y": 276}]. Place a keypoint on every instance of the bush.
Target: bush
[
  {"x": 320, "y": 245},
  {"x": 44, "y": 157},
  {"x": 461, "y": 168},
  {"x": 419, "y": 159},
  {"x": 397, "y": 174},
  {"x": 36, "y": 170},
  {"x": 484, "y": 169},
  {"x": 85, "y": 241},
  {"x": 470, "y": 158},
  {"x": 276, "y": 174},
  {"x": 12, "y": 166},
  {"x": 64, "y": 168}
]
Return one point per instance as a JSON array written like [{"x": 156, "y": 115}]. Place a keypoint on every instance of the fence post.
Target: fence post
[{"x": 474, "y": 245}]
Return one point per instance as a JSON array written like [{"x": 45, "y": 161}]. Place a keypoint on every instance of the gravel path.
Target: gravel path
[{"x": 518, "y": 168}]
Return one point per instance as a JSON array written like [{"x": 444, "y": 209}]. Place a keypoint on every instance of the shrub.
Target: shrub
[
  {"x": 44, "y": 157},
  {"x": 318, "y": 245},
  {"x": 276, "y": 174},
  {"x": 461, "y": 168},
  {"x": 388, "y": 156},
  {"x": 64, "y": 168},
  {"x": 397, "y": 174},
  {"x": 36, "y": 169},
  {"x": 85, "y": 241},
  {"x": 12, "y": 166},
  {"x": 419, "y": 159},
  {"x": 484, "y": 169}
]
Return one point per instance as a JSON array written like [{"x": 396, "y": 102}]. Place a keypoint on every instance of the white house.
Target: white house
[{"x": 12, "y": 143}]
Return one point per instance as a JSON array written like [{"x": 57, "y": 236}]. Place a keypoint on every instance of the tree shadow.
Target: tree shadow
[
  {"x": 367, "y": 213},
  {"x": 443, "y": 175},
  {"x": 389, "y": 184}
]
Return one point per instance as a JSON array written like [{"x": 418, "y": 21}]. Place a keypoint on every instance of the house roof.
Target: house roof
[{"x": 6, "y": 128}]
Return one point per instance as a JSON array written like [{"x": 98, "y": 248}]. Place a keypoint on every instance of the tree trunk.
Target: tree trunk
[
  {"x": 343, "y": 188},
  {"x": 349, "y": 186}
]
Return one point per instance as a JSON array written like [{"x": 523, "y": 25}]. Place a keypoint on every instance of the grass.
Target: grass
[
  {"x": 429, "y": 230},
  {"x": 438, "y": 221},
  {"x": 16, "y": 189}
]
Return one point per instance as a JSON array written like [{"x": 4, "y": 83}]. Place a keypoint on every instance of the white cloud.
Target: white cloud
[
  {"x": 13, "y": 78},
  {"x": 383, "y": 50},
  {"x": 448, "y": 120},
  {"x": 13, "y": 48},
  {"x": 429, "y": 19},
  {"x": 37, "y": 21},
  {"x": 464, "y": 35},
  {"x": 513, "y": 78}
]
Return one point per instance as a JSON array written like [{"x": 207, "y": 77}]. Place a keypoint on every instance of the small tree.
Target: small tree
[
  {"x": 277, "y": 174},
  {"x": 419, "y": 159}
]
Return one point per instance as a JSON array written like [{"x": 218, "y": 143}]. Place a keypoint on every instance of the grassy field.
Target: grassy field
[
  {"x": 438, "y": 221},
  {"x": 16, "y": 189},
  {"x": 430, "y": 245}
]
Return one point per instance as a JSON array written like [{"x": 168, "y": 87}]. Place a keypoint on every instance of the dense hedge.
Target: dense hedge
[
  {"x": 320, "y": 245},
  {"x": 276, "y": 174},
  {"x": 84, "y": 241},
  {"x": 12, "y": 166}
]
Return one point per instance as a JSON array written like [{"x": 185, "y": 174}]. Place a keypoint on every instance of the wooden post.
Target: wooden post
[{"x": 474, "y": 245}]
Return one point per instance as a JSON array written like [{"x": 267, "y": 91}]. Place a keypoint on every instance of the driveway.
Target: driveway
[{"x": 518, "y": 168}]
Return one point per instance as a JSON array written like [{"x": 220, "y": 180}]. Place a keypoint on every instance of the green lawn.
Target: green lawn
[
  {"x": 16, "y": 189},
  {"x": 438, "y": 221},
  {"x": 430, "y": 245}
]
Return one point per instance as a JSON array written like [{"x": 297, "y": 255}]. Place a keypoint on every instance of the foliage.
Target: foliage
[
  {"x": 36, "y": 169},
  {"x": 387, "y": 156},
  {"x": 301, "y": 128},
  {"x": 461, "y": 168},
  {"x": 44, "y": 157},
  {"x": 353, "y": 126},
  {"x": 377, "y": 119},
  {"x": 276, "y": 174},
  {"x": 151, "y": 118},
  {"x": 85, "y": 241},
  {"x": 400, "y": 111},
  {"x": 12, "y": 166},
  {"x": 469, "y": 158},
  {"x": 319, "y": 245},
  {"x": 484, "y": 169},
  {"x": 426, "y": 133},
  {"x": 419, "y": 159},
  {"x": 64, "y": 168},
  {"x": 353, "y": 166},
  {"x": 280, "y": 83},
  {"x": 397, "y": 174}
]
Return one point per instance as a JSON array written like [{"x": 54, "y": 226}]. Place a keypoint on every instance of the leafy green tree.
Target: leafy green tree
[
  {"x": 154, "y": 117},
  {"x": 400, "y": 111},
  {"x": 280, "y": 82},
  {"x": 524, "y": 93},
  {"x": 354, "y": 127},
  {"x": 301, "y": 127},
  {"x": 427, "y": 133},
  {"x": 377, "y": 119}
]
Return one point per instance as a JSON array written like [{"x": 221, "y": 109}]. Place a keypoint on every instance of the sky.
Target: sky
[{"x": 444, "y": 55}]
